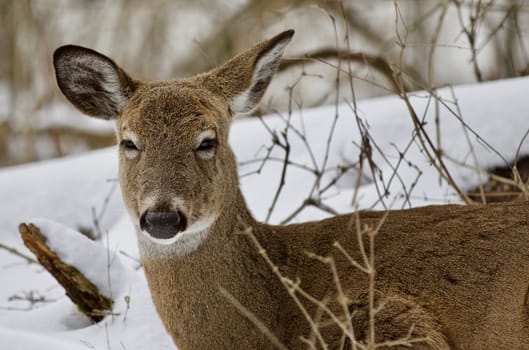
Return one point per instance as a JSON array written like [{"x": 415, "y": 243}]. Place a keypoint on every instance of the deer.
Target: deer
[{"x": 448, "y": 276}]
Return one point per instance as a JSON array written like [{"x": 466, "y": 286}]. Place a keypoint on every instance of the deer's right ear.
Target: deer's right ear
[
  {"x": 92, "y": 82},
  {"x": 243, "y": 79}
]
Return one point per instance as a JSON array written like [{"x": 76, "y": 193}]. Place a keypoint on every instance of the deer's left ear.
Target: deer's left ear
[
  {"x": 243, "y": 79},
  {"x": 92, "y": 82}
]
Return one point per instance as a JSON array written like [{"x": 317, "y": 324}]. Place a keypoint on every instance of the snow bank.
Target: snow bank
[
  {"x": 15, "y": 339},
  {"x": 496, "y": 111}
]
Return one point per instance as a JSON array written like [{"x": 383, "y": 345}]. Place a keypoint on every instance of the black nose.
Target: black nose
[{"x": 163, "y": 225}]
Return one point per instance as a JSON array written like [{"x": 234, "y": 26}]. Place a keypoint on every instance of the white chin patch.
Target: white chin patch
[{"x": 184, "y": 243}]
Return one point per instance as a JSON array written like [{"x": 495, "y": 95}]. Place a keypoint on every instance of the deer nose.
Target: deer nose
[{"x": 163, "y": 225}]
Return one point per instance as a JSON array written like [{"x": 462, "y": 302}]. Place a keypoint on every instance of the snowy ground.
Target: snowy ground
[{"x": 72, "y": 191}]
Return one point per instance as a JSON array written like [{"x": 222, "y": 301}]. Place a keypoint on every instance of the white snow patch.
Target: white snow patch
[{"x": 16, "y": 339}]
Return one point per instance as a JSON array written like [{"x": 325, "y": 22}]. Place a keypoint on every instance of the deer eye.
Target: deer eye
[
  {"x": 129, "y": 148},
  {"x": 207, "y": 145},
  {"x": 128, "y": 145}
]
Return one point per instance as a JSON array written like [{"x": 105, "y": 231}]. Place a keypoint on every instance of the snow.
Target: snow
[
  {"x": 60, "y": 326},
  {"x": 496, "y": 111},
  {"x": 67, "y": 191},
  {"x": 15, "y": 339}
]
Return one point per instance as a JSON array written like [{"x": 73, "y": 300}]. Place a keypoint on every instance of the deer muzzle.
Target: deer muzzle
[{"x": 163, "y": 225}]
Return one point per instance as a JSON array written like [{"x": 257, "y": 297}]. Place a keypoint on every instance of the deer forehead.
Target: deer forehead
[{"x": 172, "y": 112}]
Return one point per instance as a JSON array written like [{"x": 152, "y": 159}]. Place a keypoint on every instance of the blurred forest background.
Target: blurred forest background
[{"x": 431, "y": 43}]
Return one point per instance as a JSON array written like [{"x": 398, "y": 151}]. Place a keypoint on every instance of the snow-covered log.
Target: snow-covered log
[{"x": 83, "y": 292}]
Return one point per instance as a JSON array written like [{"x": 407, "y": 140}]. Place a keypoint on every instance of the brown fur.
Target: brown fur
[{"x": 458, "y": 275}]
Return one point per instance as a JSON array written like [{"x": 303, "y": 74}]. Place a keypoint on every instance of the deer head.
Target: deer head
[{"x": 177, "y": 171}]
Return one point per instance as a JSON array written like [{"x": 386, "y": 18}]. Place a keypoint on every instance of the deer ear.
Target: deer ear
[
  {"x": 243, "y": 79},
  {"x": 92, "y": 82}
]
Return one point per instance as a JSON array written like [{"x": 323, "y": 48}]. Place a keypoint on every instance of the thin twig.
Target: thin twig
[
  {"x": 378, "y": 63},
  {"x": 15, "y": 252}
]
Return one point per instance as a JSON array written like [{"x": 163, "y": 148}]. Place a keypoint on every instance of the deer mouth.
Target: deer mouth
[
  {"x": 163, "y": 225},
  {"x": 181, "y": 243}
]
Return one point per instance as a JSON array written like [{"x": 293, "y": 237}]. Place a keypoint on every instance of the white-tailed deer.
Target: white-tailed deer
[{"x": 457, "y": 276}]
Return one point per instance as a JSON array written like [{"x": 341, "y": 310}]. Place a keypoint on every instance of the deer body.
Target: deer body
[
  {"x": 469, "y": 289},
  {"x": 456, "y": 276}
]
